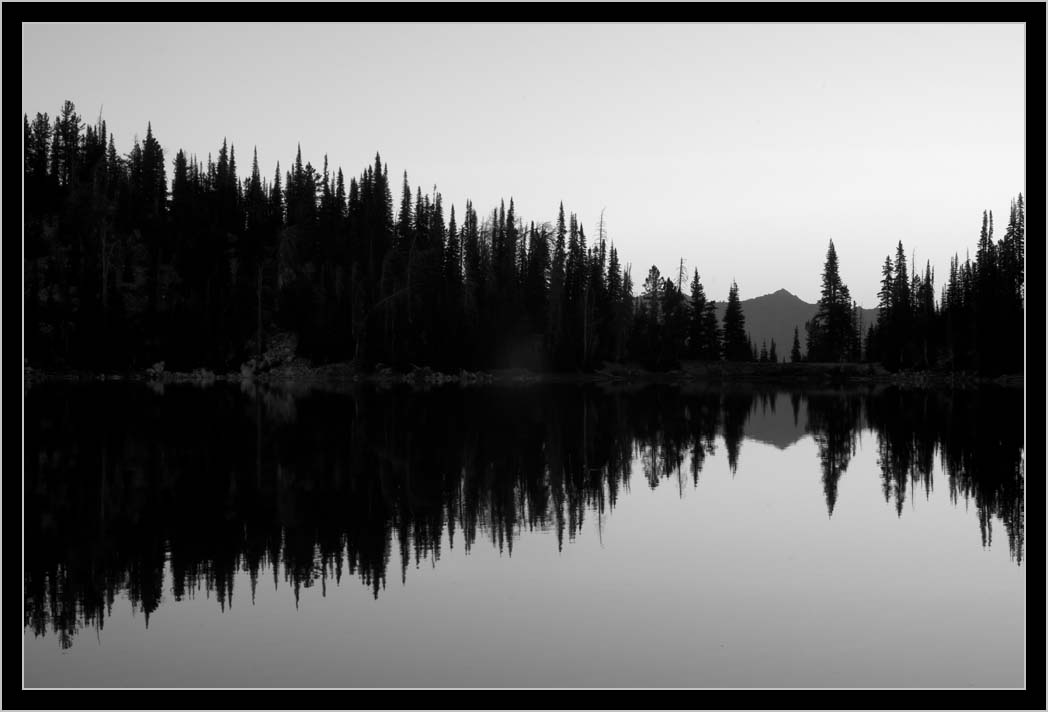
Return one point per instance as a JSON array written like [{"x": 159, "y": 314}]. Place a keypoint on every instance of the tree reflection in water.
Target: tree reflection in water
[{"x": 122, "y": 480}]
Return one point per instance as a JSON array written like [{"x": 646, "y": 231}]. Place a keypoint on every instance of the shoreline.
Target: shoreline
[{"x": 690, "y": 373}]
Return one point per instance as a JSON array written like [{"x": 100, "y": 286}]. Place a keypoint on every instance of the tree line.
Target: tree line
[
  {"x": 977, "y": 324},
  {"x": 124, "y": 269}
]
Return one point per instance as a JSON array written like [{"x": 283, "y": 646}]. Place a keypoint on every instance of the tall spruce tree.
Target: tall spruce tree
[
  {"x": 697, "y": 306},
  {"x": 703, "y": 332},
  {"x": 831, "y": 331},
  {"x": 711, "y": 333},
  {"x": 737, "y": 345}
]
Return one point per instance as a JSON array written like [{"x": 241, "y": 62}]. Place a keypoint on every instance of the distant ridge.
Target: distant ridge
[
  {"x": 774, "y": 316},
  {"x": 774, "y": 423}
]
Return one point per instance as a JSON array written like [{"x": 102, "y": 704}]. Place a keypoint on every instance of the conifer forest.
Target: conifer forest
[{"x": 134, "y": 256}]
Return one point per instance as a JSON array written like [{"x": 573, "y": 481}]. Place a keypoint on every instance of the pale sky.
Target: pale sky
[{"x": 743, "y": 148}]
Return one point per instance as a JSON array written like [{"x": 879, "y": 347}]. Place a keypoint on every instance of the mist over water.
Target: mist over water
[{"x": 523, "y": 536}]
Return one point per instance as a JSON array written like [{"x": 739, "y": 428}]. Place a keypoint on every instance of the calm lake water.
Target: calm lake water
[{"x": 523, "y": 536}]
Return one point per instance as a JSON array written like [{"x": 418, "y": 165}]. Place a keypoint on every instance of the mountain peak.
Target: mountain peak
[
  {"x": 783, "y": 294},
  {"x": 775, "y": 316}
]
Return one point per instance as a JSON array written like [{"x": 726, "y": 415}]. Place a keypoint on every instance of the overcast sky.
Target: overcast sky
[{"x": 743, "y": 148}]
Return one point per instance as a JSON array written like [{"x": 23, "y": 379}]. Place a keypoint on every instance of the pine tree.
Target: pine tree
[
  {"x": 181, "y": 198},
  {"x": 831, "y": 332},
  {"x": 616, "y": 300},
  {"x": 650, "y": 297},
  {"x": 453, "y": 257},
  {"x": 674, "y": 329},
  {"x": 901, "y": 311},
  {"x": 736, "y": 341},
  {"x": 711, "y": 333},
  {"x": 38, "y": 188},
  {"x": 555, "y": 322},
  {"x": 340, "y": 195},
  {"x": 698, "y": 339},
  {"x": 66, "y": 145},
  {"x": 509, "y": 250},
  {"x": 404, "y": 217},
  {"x": 154, "y": 180},
  {"x": 276, "y": 201}
]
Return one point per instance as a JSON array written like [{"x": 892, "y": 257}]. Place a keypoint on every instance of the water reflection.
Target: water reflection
[{"x": 122, "y": 481}]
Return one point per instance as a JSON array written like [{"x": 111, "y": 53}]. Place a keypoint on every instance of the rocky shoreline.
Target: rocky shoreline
[
  {"x": 300, "y": 371},
  {"x": 280, "y": 365}
]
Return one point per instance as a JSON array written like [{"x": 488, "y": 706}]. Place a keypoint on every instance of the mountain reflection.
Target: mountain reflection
[{"x": 122, "y": 481}]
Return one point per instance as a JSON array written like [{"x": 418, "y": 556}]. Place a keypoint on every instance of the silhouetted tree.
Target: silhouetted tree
[
  {"x": 703, "y": 331},
  {"x": 736, "y": 341},
  {"x": 831, "y": 333},
  {"x": 120, "y": 273}
]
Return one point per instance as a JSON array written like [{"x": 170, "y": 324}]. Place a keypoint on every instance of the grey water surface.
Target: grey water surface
[{"x": 568, "y": 535}]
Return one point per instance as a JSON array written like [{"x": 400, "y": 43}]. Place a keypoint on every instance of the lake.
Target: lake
[{"x": 538, "y": 535}]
